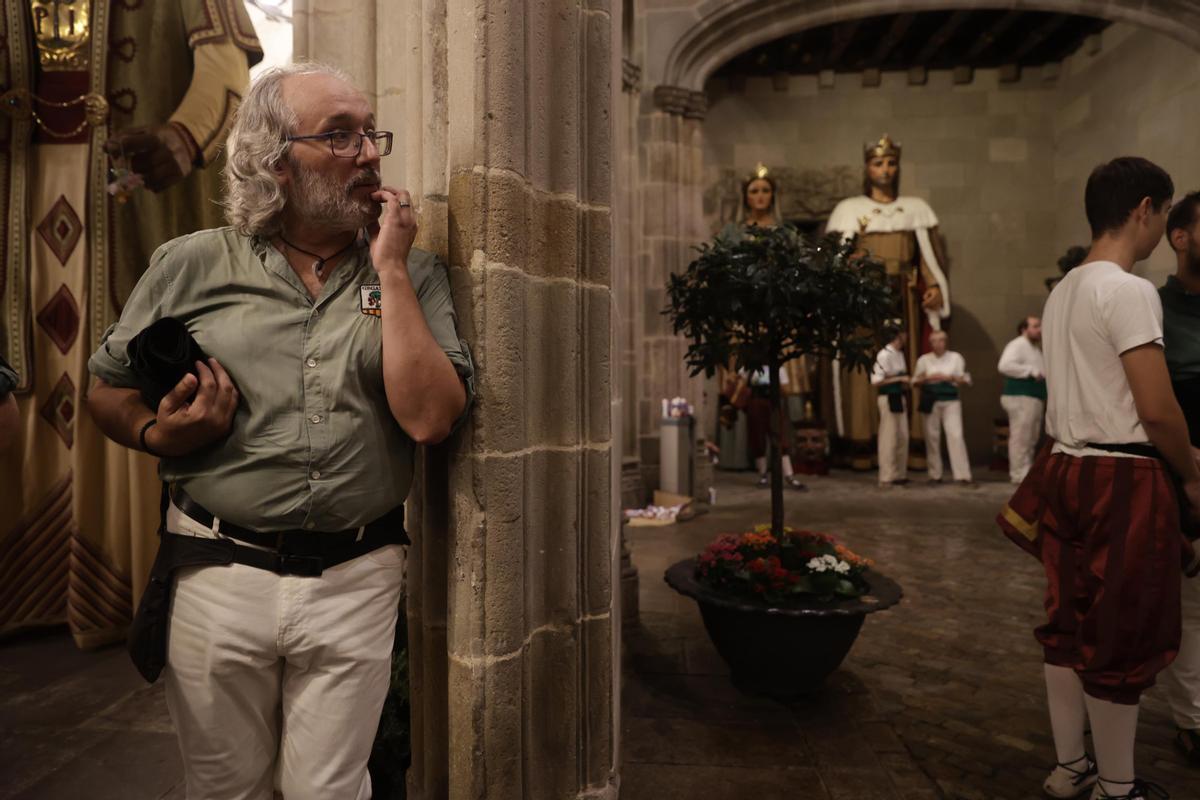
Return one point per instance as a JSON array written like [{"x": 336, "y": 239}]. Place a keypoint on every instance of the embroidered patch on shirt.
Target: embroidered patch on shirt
[{"x": 371, "y": 299}]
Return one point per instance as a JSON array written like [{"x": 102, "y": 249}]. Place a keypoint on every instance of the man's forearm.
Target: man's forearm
[
  {"x": 1170, "y": 437},
  {"x": 424, "y": 392},
  {"x": 119, "y": 413}
]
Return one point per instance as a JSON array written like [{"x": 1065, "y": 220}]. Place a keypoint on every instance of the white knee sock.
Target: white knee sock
[
  {"x": 1068, "y": 713},
  {"x": 1114, "y": 728},
  {"x": 760, "y": 464},
  {"x": 787, "y": 467}
]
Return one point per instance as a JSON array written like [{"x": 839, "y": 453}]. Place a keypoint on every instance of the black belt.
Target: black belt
[
  {"x": 295, "y": 552},
  {"x": 1144, "y": 449},
  {"x": 300, "y": 552}
]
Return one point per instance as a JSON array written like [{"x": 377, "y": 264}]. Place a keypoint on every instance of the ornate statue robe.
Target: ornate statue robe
[
  {"x": 78, "y": 513},
  {"x": 902, "y": 234}
]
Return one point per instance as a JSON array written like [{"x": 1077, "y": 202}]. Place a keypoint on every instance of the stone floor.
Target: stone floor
[
  {"x": 81, "y": 726},
  {"x": 941, "y": 696}
]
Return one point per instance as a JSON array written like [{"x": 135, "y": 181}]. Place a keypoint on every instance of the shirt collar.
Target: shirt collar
[{"x": 349, "y": 267}]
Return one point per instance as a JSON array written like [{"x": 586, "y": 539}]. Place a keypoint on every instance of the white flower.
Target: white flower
[{"x": 827, "y": 563}]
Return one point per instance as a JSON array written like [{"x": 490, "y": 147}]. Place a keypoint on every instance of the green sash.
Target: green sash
[{"x": 1025, "y": 387}]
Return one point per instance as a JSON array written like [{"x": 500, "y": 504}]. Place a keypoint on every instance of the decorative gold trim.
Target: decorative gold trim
[
  {"x": 16, "y": 269},
  {"x": 1027, "y": 529},
  {"x": 98, "y": 199},
  {"x": 58, "y": 51}
]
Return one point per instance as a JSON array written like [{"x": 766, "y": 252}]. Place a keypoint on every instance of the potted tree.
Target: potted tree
[{"x": 781, "y": 606}]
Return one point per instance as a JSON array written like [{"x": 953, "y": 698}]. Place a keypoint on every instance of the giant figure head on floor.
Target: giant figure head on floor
[
  {"x": 881, "y": 168},
  {"x": 302, "y": 150}
]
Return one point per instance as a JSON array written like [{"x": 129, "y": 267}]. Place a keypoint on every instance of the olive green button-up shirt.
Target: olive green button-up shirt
[{"x": 313, "y": 444}]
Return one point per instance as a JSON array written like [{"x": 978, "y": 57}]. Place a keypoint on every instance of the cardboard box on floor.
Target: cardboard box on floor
[{"x": 666, "y": 499}]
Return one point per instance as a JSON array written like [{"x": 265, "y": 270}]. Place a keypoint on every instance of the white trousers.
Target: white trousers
[
  {"x": 946, "y": 417},
  {"x": 1024, "y": 430},
  {"x": 893, "y": 443},
  {"x": 277, "y": 682},
  {"x": 1182, "y": 679}
]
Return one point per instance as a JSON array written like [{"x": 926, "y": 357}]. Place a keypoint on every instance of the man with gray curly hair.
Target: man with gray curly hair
[{"x": 329, "y": 353}]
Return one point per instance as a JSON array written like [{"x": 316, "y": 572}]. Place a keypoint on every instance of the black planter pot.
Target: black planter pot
[{"x": 781, "y": 652}]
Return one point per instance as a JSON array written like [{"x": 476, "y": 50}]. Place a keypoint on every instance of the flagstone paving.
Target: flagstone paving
[{"x": 942, "y": 696}]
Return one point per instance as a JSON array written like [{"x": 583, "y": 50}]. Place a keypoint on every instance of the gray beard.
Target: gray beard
[{"x": 320, "y": 201}]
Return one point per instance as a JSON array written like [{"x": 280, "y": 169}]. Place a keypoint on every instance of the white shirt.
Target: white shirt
[
  {"x": 1094, "y": 314},
  {"x": 948, "y": 363},
  {"x": 1022, "y": 359},
  {"x": 888, "y": 364}
]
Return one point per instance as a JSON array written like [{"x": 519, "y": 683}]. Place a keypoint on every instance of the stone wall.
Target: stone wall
[
  {"x": 1139, "y": 95},
  {"x": 981, "y": 153}
]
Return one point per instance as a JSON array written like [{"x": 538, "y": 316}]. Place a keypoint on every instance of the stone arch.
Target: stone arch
[{"x": 725, "y": 29}]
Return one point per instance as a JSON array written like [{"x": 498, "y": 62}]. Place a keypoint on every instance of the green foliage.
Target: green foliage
[{"x": 776, "y": 295}]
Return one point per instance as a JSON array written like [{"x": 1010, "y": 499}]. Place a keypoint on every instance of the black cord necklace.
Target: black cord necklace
[{"x": 319, "y": 264}]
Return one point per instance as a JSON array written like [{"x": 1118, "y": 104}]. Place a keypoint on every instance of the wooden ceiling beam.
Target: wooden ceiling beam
[
  {"x": 895, "y": 33},
  {"x": 1038, "y": 36},
  {"x": 988, "y": 38},
  {"x": 843, "y": 36},
  {"x": 941, "y": 37}
]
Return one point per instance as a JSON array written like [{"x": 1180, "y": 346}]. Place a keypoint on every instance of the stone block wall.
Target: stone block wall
[{"x": 1139, "y": 95}]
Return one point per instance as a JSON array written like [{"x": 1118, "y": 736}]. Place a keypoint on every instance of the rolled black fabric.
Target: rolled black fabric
[
  {"x": 161, "y": 355},
  {"x": 8, "y": 378},
  {"x": 896, "y": 403}
]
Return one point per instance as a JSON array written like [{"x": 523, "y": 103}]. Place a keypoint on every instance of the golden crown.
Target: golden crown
[
  {"x": 884, "y": 147},
  {"x": 760, "y": 171}
]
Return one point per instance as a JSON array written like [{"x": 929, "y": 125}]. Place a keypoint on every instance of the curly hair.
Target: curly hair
[{"x": 254, "y": 198}]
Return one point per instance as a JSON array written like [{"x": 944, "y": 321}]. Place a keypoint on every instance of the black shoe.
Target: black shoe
[
  {"x": 764, "y": 479},
  {"x": 795, "y": 483},
  {"x": 1067, "y": 782},
  {"x": 1188, "y": 743},
  {"x": 1140, "y": 790}
]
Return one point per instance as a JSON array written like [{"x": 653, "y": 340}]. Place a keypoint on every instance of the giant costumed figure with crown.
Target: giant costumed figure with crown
[
  {"x": 113, "y": 114},
  {"x": 750, "y": 392},
  {"x": 902, "y": 232}
]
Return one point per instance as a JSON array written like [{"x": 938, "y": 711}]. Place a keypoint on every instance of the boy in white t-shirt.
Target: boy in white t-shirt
[{"x": 1101, "y": 510}]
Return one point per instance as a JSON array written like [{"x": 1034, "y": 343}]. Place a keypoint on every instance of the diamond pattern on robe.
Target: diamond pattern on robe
[
  {"x": 59, "y": 410},
  {"x": 61, "y": 229},
  {"x": 60, "y": 319}
]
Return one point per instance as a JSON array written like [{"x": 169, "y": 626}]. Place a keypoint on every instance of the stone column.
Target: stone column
[
  {"x": 670, "y": 154},
  {"x": 502, "y": 110}
]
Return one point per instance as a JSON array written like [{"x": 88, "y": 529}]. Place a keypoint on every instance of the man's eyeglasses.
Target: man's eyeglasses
[{"x": 348, "y": 144}]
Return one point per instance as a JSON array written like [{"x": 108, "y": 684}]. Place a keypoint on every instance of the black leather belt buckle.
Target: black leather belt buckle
[{"x": 304, "y": 566}]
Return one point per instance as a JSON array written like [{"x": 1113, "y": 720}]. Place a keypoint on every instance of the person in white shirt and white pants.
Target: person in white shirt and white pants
[
  {"x": 890, "y": 378},
  {"x": 940, "y": 373},
  {"x": 1024, "y": 395}
]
